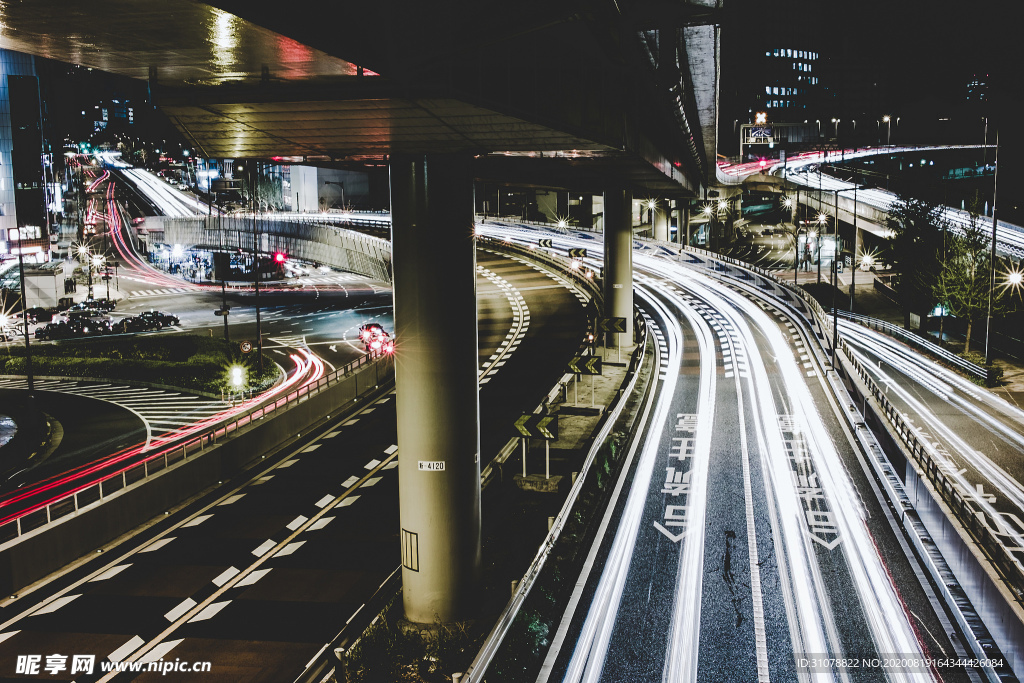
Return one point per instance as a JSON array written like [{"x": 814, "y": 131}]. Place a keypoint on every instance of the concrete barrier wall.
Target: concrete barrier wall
[
  {"x": 989, "y": 596},
  {"x": 37, "y": 554},
  {"x": 310, "y": 241}
]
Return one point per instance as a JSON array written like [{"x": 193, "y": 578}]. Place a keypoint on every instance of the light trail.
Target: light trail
[
  {"x": 308, "y": 370},
  {"x": 1010, "y": 238},
  {"x": 924, "y": 373},
  {"x": 591, "y": 649},
  {"x": 809, "y": 599}
]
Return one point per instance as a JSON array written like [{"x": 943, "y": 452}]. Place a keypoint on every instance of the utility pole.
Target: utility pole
[
  {"x": 19, "y": 234},
  {"x": 256, "y": 253},
  {"x": 992, "y": 260}
]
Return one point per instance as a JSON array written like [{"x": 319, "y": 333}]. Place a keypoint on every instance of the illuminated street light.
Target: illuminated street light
[
  {"x": 1013, "y": 279},
  {"x": 788, "y": 202},
  {"x": 822, "y": 220}
]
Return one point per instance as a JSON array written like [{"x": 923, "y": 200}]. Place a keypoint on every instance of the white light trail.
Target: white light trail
[{"x": 588, "y": 657}]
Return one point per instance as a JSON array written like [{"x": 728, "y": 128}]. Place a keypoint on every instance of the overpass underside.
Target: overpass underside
[{"x": 610, "y": 97}]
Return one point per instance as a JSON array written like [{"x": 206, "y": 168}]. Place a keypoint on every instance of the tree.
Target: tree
[
  {"x": 915, "y": 248},
  {"x": 964, "y": 280}
]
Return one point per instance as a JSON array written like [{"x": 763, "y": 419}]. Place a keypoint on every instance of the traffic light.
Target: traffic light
[{"x": 280, "y": 257}]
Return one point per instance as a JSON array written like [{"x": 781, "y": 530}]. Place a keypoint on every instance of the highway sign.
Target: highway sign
[
  {"x": 577, "y": 253},
  {"x": 245, "y": 346},
  {"x": 611, "y": 324},
  {"x": 543, "y": 243},
  {"x": 585, "y": 365},
  {"x": 536, "y": 426}
]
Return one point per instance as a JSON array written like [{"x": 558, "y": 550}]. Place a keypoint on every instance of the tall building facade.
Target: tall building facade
[
  {"x": 22, "y": 187},
  {"x": 776, "y": 59}
]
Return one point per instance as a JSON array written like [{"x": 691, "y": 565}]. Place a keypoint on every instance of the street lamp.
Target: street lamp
[
  {"x": 97, "y": 263},
  {"x": 796, "y": 251},
  {"x": 822, "y": 221},
  {"x": 992, "y": 257},
  {"x": 709, "y": 213},
  {"x": 888, "y": 136},
  {"x": 16, "y": 235}
]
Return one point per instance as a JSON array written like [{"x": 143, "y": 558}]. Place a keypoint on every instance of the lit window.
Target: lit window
[
  {"x": 789, "y": 53},
  {"x": 775, "y": 91},
  {"x": 809, "y": 68},
  {"x": 767, "y": 54},
  {"x": 767, "y": 90}
]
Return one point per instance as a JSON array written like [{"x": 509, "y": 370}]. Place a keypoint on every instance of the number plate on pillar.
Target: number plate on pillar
[{"x": 431, "y": 465}]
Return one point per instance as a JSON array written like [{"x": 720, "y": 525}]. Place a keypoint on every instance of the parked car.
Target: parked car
[
  {"x": 158, "y": 319},
  {"x": 87, "y": 327},
  {"x": 50, "y": 331},
  {"x": 89, "y": 316},
  {"x": 38, "y": 314},
  {"x": 101, "y": 304},
  {"x": 134, "y": 323}
]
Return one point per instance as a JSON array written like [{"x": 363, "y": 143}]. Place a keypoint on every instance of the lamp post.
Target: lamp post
[
  {"x": 16, "y": 235},
  {"x": 709, "y": 213},
  {"x": 992, "y": 259},
  {"x": 888, "y": 136},
  {"x": 856, "y": 237},
  {"x": 822, "y": 220},
  {"x": 796, "y": 252},
  {"x": 97, "y": 263},
  {"x": 253, "y": 179}
]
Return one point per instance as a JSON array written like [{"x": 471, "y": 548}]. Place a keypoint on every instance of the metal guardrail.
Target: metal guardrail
[
  {"x": 37, "y": 519},
  {"x": 478, "y": 669},
  {"x": 918, "y": 343},
  {"x": 976, "y": 521}
]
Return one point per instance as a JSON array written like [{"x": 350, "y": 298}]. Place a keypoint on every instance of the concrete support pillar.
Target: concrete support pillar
[
  {"x": 436, "y": 376},
  {"x": 659, "y": 220},
  {"x": 618, "y": 261}
]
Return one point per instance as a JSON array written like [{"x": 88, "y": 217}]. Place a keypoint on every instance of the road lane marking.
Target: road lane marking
[
  {"x": 184, "y": 606},
  {"x": 156, "y": 545},
  {"x": 197, "y": 521},
  {"x": 56, "y": 604},
  {"x": 131, "y": 646},
  {"x": 264, "y": 547},
  {"x": 110, "y": 573},
  {"x": 225, "y": 576},
  {"x": 209, "y": 611}
]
